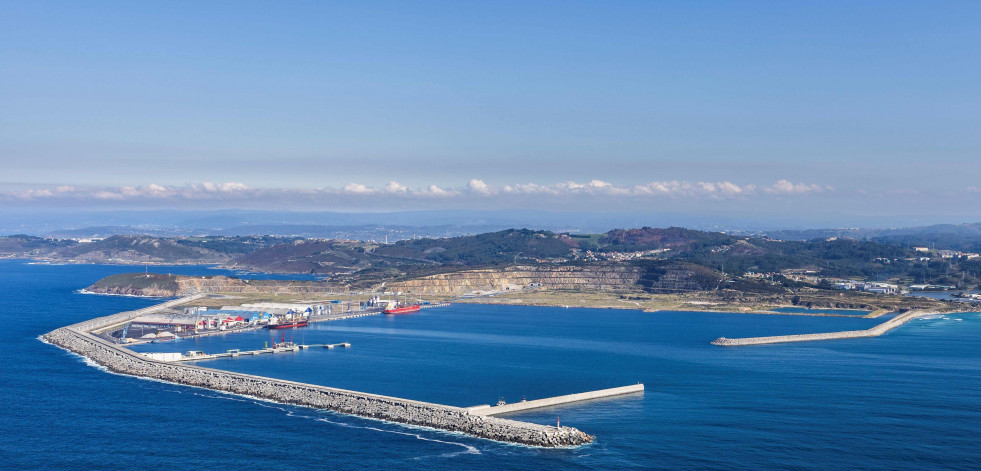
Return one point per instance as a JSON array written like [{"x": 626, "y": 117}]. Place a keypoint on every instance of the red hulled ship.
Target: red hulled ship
[
  {"x": 287, "y": 325},
  {"x": 401, "y": 309}
]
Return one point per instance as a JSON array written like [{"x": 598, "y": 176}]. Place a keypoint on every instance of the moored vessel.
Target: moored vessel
[
  {"x": 287, "y": 324},
  {"x": 402, "y": 309}
]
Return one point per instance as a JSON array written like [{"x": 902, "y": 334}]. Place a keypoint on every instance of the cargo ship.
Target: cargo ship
[
  {"x": 288, "y": 324},
  {"x": 402, "y": 309}
]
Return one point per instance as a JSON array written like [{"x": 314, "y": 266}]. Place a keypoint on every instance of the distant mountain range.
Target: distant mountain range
[
  {"x": 395, "y": 226},
  {"x": 362, "y": 226},
  {"x": 966, "y": 237},
  {"x": 657, "y": 250}
]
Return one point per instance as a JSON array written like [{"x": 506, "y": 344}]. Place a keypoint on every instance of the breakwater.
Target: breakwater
[
  {"x": 487, "y": 409},
  {"x": 77, "y": 339},
  {"x": 847, "y": 334}
]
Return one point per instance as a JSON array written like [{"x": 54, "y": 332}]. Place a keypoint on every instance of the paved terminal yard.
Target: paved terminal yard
[{"x": 114, "y": 335}]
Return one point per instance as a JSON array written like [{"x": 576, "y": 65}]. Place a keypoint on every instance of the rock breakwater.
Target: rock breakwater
[
  {"x": 848, "y": 334},
  {"x": 437, "y": 416}
]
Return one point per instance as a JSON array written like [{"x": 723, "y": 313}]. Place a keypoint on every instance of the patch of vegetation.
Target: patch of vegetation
[
  {"x": 151, "y": 247},
  {"x": 234, "y": 245},
  {"x": 675, "y": 238},
  {"x": 138, "y": 281},
  {"x": 492, "y": 248}
]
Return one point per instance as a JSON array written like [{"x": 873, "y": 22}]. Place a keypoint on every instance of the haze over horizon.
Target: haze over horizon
[{"x": 804, "y": 114}]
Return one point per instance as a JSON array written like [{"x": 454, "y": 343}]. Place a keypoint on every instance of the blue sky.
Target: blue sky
[{"x": 762, "y": 107}]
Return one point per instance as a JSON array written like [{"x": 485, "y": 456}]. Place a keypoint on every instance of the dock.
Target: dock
[
  {"x": 195, "y": 355},
  {"x": 345, "y": 315},
  {"x": 427, "y": 306},
  {"x": 487, "y": 409}
]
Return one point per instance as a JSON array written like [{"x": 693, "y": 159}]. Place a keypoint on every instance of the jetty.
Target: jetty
[
  {"x": 847, "y": 334},
  {"x": 195, "y": 355},
  {"x": 82, "y": 339},
  {"x": 487, "y": 409}
]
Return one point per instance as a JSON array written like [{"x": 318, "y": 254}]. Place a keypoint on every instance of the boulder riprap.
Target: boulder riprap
[{"x": 455, "y": 419}]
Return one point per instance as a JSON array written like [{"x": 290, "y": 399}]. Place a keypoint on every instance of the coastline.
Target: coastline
[
  {"x": 143, "y": 296},
  {"x": 695, "y": 301},
  {"x": 689, "y": 307},
  {"x": 693, "y": 307}
]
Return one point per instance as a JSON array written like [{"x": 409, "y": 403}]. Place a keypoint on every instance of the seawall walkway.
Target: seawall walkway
[
  {"x": 555, "y": 401},
  {"x": 848, "y": 334}
]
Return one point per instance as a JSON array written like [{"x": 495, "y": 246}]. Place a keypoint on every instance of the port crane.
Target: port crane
[{"x": 129, "y": 320}]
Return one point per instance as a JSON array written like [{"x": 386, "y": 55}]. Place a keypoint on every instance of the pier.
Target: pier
[
  {"x": 848, "y": 334},
  {"x": 428, "y": 306},
  {"x": 79, "y": 339},
  {"x": 555, "y": 401},
  {"x": 194, "y": 355}
]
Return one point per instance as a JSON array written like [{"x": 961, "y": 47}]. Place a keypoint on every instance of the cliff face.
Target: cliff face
[
  {"x": 591, "y": 277},
  {"x": 650, "y": 276}
]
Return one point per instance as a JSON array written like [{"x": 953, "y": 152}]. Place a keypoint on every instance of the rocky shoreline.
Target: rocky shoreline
[{"x": 77, "y": 339}]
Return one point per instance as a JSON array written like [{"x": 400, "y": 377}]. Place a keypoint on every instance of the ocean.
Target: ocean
[{"x": 910, "y": 399}]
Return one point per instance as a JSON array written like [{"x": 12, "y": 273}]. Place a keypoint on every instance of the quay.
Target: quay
[
  {"x": 79, "y": 339},
  {"x": 313, "y": 319},
  {"x": 487, "y": 409},
  {"x": 195, "y": 355},
  {"x": 427, "y": 306},
  {"x": 348, "y": 315},
  {"x": 848, "y": 334}
]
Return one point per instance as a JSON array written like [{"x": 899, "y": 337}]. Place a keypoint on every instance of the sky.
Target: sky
[{"x": 810, "y": 110}]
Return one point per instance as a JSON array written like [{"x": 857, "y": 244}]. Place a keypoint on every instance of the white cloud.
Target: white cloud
[
  {"x": 32, "y": 194},
  {"x": 973, "y": 189},
  {"x": 209, "y": 187},
  {"x": 529, "y": 188},
  {"x": 724, "y": 189},
  {"x": 357, "y": 189},
  {"x": 786, "y": 187},
  {"x": 598, "y": 190},
  {"x": 480, "y": 188},
  {"x": 661, "y": 188},
  {"x": 396, "y": 187},
  {"x": 108, "y": 195},
  {"x": 434, "y": 190}
]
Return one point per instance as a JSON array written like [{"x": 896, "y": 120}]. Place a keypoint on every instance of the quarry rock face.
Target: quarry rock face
[{"x": 593, "y": 277}]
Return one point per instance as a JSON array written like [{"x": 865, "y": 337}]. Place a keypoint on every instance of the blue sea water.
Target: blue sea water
[{"x": 906, "y": 400}]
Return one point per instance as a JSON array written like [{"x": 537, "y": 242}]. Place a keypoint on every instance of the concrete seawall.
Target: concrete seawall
[
  {"x": 555, "y": 401},
  {"x": 77, "y": 339},
  {"x": 848, "y": 334}
]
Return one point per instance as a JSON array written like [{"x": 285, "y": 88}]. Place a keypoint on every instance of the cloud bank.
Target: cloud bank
[{"x": 474, "y": 189}]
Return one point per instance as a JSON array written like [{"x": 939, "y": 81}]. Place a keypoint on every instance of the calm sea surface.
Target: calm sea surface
[{"x": 908, "y": 400}]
